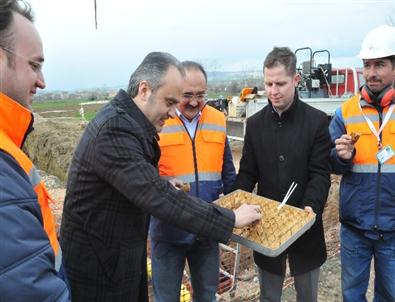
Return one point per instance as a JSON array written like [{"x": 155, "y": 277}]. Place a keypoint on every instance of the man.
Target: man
[
  {"x": 367, "y": 198},
  {"x": 27, "y": 234},
  {"x": 114, "y": 186},
  {"x": 288, "y": 141},
  {"x": 198, "y": 132}
]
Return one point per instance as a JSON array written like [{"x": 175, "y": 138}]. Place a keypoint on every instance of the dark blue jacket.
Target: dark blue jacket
[
  {"x": 27, "y": 271},
  {"x": 367, "y": 199}
]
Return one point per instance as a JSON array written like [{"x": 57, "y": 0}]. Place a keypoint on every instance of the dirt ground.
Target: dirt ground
[{"x": 51, "y": 146}]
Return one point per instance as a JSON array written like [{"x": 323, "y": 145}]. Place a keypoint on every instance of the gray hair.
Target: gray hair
[
  {"x": 187, "y": 65},
  {"x": 7, "y": 10},
  {"x": 281, "y": 56},
  {"x": 153, "y": 68}
]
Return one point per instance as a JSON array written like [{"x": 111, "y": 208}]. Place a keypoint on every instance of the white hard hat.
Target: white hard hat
[{"x": 378, "y": 43}]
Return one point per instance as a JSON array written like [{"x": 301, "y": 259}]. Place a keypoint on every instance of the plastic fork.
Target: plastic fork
[{"x": 286, "y": 197}]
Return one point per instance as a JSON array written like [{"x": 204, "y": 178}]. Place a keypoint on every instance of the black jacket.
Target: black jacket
[
  {"x": 277, "y": 151},
  {"x": 112, "y": 189}
]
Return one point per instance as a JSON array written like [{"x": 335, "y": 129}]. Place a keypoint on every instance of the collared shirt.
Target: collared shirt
[{"x": 189, "y": 125}]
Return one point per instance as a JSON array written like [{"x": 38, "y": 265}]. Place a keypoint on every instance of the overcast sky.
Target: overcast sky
[{"x": 224, "y": 35}]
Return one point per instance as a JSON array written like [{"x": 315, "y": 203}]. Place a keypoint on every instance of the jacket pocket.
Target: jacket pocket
[
  {"x": 132, "y": 261},
  {"x": 213, "y": 137},
  {"x": 107, "y": 257},
  {"x": 173, "y": 139},
  {"x": 349, "y": 202}
]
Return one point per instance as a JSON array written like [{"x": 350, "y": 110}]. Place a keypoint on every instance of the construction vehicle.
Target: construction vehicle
[
  {"x": 320, "y": 86},
  {"x": 220, "y": 103}
]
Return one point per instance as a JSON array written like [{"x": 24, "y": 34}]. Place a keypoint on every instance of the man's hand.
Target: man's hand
[
  {"x": 176, "y": 183},
  {"x": 247, "y": 214},
  {"x": 344, "y": 147},
  {"x": 308, "y": 209}
]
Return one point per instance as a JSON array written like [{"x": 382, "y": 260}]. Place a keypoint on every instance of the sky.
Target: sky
[{"x": 222, "y": 35}]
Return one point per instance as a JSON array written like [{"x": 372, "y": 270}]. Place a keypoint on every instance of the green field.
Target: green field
[
  {"x": 70, "y": 108},
  {"x": 66, "y": 109}
]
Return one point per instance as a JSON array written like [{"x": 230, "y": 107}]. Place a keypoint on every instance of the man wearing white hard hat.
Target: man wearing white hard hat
[{"x": 367, "y": 190}]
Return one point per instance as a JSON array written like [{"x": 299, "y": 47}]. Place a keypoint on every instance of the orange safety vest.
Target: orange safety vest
[
  {"x": 365, "y": 160},
  {"x": 14, "y": 123},
  {"x": 180, "y": 156}
]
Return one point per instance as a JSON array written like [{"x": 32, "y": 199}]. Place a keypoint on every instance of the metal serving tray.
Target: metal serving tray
[{"x": 277, "y": 230}]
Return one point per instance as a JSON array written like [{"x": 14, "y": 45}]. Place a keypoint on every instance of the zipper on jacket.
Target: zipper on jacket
[
  {"x": 378, "y": 181},
  {"x": 194, "y": 155}
]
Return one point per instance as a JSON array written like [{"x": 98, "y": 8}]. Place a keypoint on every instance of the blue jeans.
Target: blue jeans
[
  {"x": 357, "y": 252},
  {"x": 168, "y": 261}
]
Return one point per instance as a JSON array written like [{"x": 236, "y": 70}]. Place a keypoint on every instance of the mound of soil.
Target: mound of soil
[{"x": 51, "y": 145}]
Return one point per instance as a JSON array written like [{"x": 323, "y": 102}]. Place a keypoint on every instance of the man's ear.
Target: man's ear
[
  {"x": 144, "y": 90},
  {"x": 296, "y": 79}
]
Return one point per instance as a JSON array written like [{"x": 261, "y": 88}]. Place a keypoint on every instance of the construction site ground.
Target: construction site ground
[{"x": 51, "y": 146}]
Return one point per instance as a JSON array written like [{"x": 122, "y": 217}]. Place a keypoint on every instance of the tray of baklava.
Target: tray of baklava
[{"x": 277, "y": 229}]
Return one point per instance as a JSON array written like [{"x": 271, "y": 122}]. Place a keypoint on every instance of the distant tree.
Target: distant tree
[
  {"x": 92, "y": 96},
  {"x": 234, "y": 87}
]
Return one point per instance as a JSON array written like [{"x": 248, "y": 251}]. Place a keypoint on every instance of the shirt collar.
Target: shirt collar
[
  {"x": 185, "y": 120},
  {"x": 289, "y": 111}
]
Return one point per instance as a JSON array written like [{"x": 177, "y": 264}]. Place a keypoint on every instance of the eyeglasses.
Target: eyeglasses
[
  {"x": 200, "y": 96},
  {"x": 35, "y": 65}
]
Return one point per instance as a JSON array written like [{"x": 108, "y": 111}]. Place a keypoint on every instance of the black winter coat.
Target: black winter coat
[
  {"x": 112, "y": 189},
  {"x": 277, "y": 151}
]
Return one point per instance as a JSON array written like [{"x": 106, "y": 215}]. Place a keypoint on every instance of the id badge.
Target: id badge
[{"x": 385, "y": 154}]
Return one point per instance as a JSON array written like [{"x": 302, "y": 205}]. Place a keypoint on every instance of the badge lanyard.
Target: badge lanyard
[{"x": 373, "y": 128}]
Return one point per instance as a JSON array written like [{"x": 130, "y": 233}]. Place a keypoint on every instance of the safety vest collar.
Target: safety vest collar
[{"x": 15, "y": 120}]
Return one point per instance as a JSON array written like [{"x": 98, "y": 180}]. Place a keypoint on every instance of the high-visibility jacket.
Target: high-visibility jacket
[
  {"x": 198, "y": 161},
  {"x": 15, "y": 122},
  {"x": 367, "y": 187}
]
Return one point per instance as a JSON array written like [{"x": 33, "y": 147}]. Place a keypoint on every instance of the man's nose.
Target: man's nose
[
  {"x": 193, "y": 102},
  {"x": 40, "y": 83},
  {"x": 372, "y": 72},
  {"x": 274, "y": 89}
]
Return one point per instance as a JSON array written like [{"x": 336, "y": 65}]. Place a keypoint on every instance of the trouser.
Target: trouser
[
  {"x": 168, "y": 261},
  {"x": 271, "y": 286},
  {"x": 356, "y": 254}
]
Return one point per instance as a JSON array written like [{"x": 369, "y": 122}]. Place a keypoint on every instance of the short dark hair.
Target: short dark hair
[
  {"x": 281, "y": 56},
  {"x": 153, "y": 68},
  {"x": 392, "y": 59},
  {"x": 7, "y": 10},
  {"x": 187, "y": 65}
]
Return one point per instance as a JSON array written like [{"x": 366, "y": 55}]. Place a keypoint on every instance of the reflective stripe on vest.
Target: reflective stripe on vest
[
  {"x": 373, "y": 168},
  {"x": 366, "y": 146},
  {"x": 177, "y": 159},
  {"x": 43, "y": 197},
  {"x": 180, "y": 128},
  {"x": 202, "y": 177}
]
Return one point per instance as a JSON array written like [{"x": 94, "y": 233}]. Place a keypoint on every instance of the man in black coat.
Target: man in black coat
[
  {"x": 114, "y": 186},
  {"x": 288, "y": 141}
]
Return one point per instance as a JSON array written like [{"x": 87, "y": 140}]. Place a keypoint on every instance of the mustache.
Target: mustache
[
  {"x": 191, "y": 107},
  {"x": 373, "y": 79}
]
